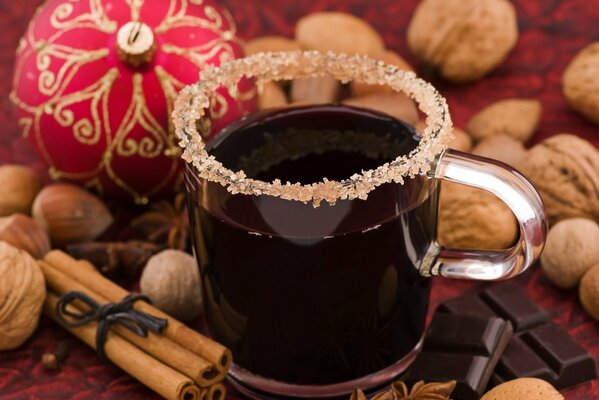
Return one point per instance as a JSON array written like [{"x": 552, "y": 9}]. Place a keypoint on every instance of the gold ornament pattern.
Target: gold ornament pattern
[{"x": 56, "y": 65}]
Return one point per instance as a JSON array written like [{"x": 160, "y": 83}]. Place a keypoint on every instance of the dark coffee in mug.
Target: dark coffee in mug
[{"x": 314, "y": 295}]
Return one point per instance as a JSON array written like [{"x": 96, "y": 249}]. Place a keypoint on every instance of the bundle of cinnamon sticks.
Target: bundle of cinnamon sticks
[{"x": 180, "y": 364}]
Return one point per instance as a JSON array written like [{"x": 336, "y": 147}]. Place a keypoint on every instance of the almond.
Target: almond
[
  {"x": 319, "y": 90},
  {"x": 338, "y": 32},
  {"x": 397, "y": 105},
  {"x": 70, "y": 214},
  {"x": 24, "y": 233},
  {"x": 518, "y": 118},
  {"x": 272, "y": 96},
  {"x": 388, "y": 57},
  {"x": 270, "y": 43},
  {"x": 20, "y": 185}
]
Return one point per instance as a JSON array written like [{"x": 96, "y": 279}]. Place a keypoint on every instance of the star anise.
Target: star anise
[
  {"x": 420, "y": 391},
  {"x": 165, "y": 224}
]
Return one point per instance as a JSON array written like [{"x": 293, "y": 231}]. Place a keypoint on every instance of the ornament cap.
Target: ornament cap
[{"x": 135, "y": 43}]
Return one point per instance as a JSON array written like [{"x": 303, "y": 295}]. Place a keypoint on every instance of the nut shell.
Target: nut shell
[
  {"x": 172, "y": 280},
  {"x": 270, "y": 43},
  {"x": 24, "y": 233},
  {"x": 523, "y": 389},
  {"x": 22, "y": 293},
  {"x": 397, "y": 105},
  {"x": 20, "y": 185},
  {"x": 470, "y": 218},
  {"x": 338, "y": 32},
  {"x": 70, "y": 214},
  {"x": 589, "y": 291},
  {"x": 272, "y": 96},
  {"x": 464, "y": 39},
  {"x": 518, "y": 118},
  {"x": 565, "y": 170},
  {"x": 503, "y": 148},
  {"x": 388, "y": 57},
  {"x": 570, "y": 250},
  {"x": 580, "y": 84},
  {"x": 318, "y": 90}
]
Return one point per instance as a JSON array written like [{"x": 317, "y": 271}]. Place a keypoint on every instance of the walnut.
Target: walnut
[
  {"x": 474, "y": 219},
  {"x": 22, "y": 293},
  {"x": 580, "y": 84},
  {"x": 461, "y": 140},
  {"x": 318, "y": 90},
  {"x": 388, "y": 57},
  {"x": 271, "y": 96},
  {"x": 20, "y": 185},
  {"x": 464, "y": 39},
  {"x": 397, "y": 105},
  {"x": 589, "y": 292},
  {"x": 518, "y": 118},
  {"x": 571, "y": 249},
  {"x": 564, "y": 169},
  {"x": 172, "y": 280},
  {"x": 270, "y": 43},
  {"x": 503, "y": 148},
  {"x": 523, "y": 389}
]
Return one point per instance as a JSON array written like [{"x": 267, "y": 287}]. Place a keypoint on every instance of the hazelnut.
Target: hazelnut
[
  {"x": 171, "y": 279},
  {"x": 518, "y": 118},
  {"x": 523, "y": 389},
  {"x": 270, "y": 43},
  {"x": 338, "y": 32},
  {"x": 565, "y": 170},
  {"x": 580, "y": 84},
  {"x": 20, "y": 185},
  {"x": 318, "y": 90},
  {"x": 22, "y": 293},
  {"x": 388, "y": 57},
  {"x": 503, "y": 148},
  {"x": 397, "y": 105},
  {"x": 589, "y": 291},
  {"x": 24, "y": 233},
  {"x": 272, "y": 96},
  {"x": 570, "y": 250},
  {"x": 471, "y": 218},
  {"x": 70, "y": 214},
  {"x": 464, "y": 39}
]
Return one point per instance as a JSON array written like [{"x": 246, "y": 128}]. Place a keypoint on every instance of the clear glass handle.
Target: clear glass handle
[{"x": 521, "y": 197}]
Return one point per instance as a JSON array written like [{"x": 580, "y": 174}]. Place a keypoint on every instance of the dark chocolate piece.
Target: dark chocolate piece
[
  {"x": 461, "y": 348},
  {"x": 540, "y": 348}
]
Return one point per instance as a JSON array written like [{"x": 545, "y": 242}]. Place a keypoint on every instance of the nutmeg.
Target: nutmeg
[
  {"x": 397, "y": 105},
  {"x": 22, "y": 293},
  {"x": 589, "y": 291},
  {"x": 565, "y": 170},
  {"x": 464, "y": 39},
  {"x": 19, "y": 185},
  {"x": 580, "y": 84},
  {"x": 338, "y": 32},
  {"x": 171, "y": 279},
  {"x": 471, "y": 218},
  {"x": 523, "y": 389},
  {"x": 517, "y": 118},
  {"x": 70, "y": 214},
  {"x": 24, "y": 233},
  {"x": 503, "y": 148},
  {"x": 270, "y": 43},
  {"x": 570, "y": 250}
]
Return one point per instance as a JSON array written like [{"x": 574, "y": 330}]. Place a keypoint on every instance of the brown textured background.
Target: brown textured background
[{"x": 552, "y": 31}]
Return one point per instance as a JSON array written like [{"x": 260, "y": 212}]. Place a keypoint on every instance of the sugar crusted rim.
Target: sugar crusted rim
[{"x": 194, "y": 100}]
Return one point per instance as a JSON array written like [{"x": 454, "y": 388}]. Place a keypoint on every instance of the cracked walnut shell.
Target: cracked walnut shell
[
  {"x": 565, "y": 170},
  {"x": 464, "y": 39},
  {"x": 22, "y": 293},
  {"x": 580, "y": 83}
]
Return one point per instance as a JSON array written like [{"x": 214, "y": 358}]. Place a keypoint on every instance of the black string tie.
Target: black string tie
[{"x": 121, "y": 313}]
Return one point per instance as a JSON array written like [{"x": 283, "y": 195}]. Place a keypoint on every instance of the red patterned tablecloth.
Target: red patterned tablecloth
[{"x": 552, "y": 31}]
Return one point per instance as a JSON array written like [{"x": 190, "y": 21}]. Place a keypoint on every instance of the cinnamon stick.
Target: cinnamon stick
[
  {"x": 216, "y": 392},
  {"x": 85, "y": 273},
  {"x": 162, "y": 379},
  {"x": 170, "y": 353}
]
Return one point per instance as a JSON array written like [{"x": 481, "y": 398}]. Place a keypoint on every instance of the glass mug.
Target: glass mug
[{"x": 320, "y": 288}]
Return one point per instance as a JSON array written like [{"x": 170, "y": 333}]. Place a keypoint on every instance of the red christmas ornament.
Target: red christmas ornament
[{"x": 95, "y": 82}]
